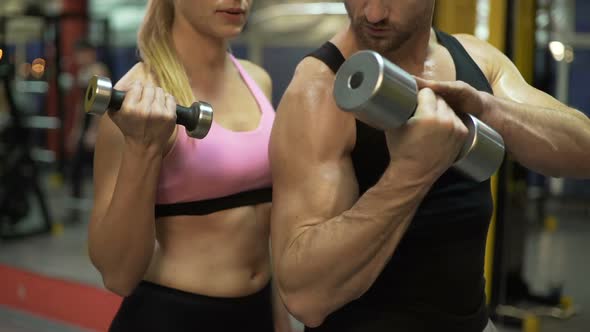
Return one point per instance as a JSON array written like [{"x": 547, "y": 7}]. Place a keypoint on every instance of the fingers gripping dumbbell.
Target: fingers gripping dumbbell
[
  {"x": 100, "y": 97},
  {"x": 384, "y": 96}
]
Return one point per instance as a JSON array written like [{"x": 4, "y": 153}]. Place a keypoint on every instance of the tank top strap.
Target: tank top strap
[{"x": 260, "y": 97}]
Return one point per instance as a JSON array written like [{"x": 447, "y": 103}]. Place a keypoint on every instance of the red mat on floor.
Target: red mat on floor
[{"x": 67, "y": 301}]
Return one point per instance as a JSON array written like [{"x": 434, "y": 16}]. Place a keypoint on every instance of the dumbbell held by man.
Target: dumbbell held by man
[
  {"x": 102, "y": 97},
  {"x": 384, "y": 96}
]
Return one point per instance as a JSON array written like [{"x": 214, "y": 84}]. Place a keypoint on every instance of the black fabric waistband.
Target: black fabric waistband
[
  {"x": 209, "y": 206},
  {"x": 153, "y": 307},
  {"x": 149, "y": 288}
]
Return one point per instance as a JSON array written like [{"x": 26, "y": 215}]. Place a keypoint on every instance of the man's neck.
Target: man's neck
[
  {"x": 411, "y": 56},
  {"x": 203, "y": 57}
]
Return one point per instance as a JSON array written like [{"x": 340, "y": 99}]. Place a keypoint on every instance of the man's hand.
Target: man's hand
[
  {"x": 461, "y": 96},
  {"x": 434, "y": 128}
]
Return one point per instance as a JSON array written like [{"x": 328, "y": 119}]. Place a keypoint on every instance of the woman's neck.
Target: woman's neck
[{"x": 203, "y": 57}]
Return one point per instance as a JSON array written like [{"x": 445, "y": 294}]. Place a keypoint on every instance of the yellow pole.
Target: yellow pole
[
  {"x": 489, "y": 255},
  {"x": 497, "y": 38},
  {"x": 497, "y": 24},
  {"x": 524, "y": 38},
  {"x": 455, "y": 16}
]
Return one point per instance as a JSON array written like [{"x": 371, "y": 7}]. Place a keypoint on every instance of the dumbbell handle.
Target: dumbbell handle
[
  {"x": 185, "y": 116},
  {"x": 100, "y": 97}
]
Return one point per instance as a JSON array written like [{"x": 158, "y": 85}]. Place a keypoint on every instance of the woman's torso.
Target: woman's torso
[{"x": 224, "y": 253}]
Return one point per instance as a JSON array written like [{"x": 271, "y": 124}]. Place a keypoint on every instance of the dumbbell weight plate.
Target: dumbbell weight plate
[
  {"x": 483, "y": 151},
  {"x": 378, "y": 92},
  {"x": 98, "y": 95}
]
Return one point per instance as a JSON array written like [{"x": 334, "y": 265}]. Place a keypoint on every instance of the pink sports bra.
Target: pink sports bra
[{"x": 224, "y": 170}]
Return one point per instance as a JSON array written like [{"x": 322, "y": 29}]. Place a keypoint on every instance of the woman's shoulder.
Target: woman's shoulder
[
  {"x": 139, "y": 72},
  {"x": 258, "y": 74}
]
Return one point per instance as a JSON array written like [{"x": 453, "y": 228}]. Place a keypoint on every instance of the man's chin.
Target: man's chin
[
  {"x": 377, "y": 46},
  {"x": 374, "y": 44}
]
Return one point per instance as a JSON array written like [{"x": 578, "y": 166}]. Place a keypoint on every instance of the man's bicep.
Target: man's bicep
[
  {"x": 512, "y": 86},
  {"x": 508, "y": 83},
  {"x": 504, "y": 77},
  {"x": 313, "y": 177},
  {"x": 307, "y": 194}
]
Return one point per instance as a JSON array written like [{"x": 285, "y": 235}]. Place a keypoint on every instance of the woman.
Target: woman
[{"x": 201, "y": 262}]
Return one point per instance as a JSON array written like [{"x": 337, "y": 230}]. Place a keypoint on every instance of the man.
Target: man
[{"x": 374, "y": 231}]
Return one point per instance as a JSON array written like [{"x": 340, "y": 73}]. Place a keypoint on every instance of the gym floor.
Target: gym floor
[{"x": 63, "y": 256}]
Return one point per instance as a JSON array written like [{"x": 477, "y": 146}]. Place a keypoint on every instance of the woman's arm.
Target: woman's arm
[{"x": 128, "y": 155}]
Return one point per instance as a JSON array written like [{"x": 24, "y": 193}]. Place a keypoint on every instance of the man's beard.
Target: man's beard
[{"x": 386, "y": 44}]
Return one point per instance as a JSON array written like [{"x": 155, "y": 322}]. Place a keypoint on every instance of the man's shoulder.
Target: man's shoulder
[
  {"x": 308, "y": 103},
  {"x": 473, "y": 45},
  {"x": 310, "y": 95},
  {"x": 468, "y": 38},
  {"x": 485, "y": 55},
  {"x": 311, "y": 72},
  {"x": 334, "y": 50},
  {"x": 313, "y": 65}
]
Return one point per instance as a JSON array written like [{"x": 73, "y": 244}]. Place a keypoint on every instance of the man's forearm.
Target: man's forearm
[
  {"x": 552, "y": 142},
  {"x": 334, "y": 262},
  {"x": 281, "y": 318}
]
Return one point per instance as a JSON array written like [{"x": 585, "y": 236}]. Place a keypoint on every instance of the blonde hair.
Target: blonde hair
[{"x": 156, "y": 49}]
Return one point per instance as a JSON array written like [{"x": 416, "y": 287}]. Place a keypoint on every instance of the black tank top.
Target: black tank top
[{"x": 434, "y": 281}]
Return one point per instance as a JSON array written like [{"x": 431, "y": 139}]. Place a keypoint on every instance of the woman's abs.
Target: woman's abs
[{"x": 224, "y": 254}]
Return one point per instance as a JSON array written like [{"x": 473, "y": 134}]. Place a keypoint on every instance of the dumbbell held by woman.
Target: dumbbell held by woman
[{"x": 101, "y": 97}]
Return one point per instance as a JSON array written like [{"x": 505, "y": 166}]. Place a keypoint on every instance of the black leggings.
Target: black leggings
[{"x": 153, "y": 307}]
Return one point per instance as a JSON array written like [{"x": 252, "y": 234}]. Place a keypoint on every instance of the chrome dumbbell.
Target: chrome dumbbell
[
  {"x": 100, "y": 97},
  {"x": 384, "y": 96}
]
